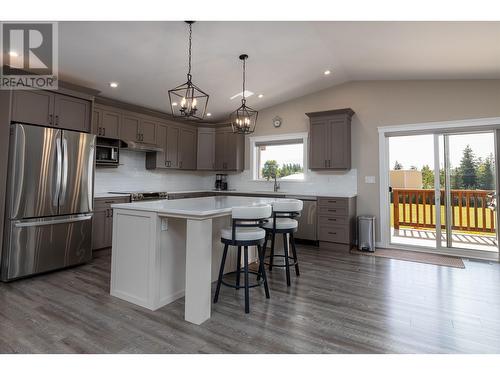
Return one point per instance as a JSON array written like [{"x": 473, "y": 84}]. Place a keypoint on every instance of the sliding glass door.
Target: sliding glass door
[
  {"x": 469, "y": 189},
  {"x": 442, "y": 191}
]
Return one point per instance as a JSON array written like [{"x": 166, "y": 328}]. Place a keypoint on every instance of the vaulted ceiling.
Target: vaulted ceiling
[{"x": 287, "y": 59}]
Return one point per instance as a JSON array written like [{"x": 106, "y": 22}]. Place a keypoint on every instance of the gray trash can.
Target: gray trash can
[{"x": 366, "y": 233}]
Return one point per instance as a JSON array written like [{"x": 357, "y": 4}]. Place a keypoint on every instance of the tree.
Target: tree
[
  {"x": 427, "y": 177},
  {"x": 398, "y": 166},
  {"x": 466, "y": 172},
  {"x": 271, "y": 169},
  {"x": 485, "y": 174}
]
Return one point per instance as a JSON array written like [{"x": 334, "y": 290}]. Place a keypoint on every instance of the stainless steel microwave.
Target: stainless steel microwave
[{"x": 107, "y": 155}]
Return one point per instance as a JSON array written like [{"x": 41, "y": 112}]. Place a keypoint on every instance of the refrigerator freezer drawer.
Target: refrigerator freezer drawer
[{"x": 46, "y": 244}]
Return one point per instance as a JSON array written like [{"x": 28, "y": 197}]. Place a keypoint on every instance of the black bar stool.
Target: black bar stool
[
  {"x": 283, "y": 221},
  {"x": 245, "y": 231}
]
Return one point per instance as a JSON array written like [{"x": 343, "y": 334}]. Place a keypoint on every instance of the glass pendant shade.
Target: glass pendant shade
[
  {"x": 188, "y": 100},
  {"x": 244, "y": 119}
]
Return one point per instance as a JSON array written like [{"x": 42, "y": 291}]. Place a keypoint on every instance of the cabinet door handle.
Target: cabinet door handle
[
  {"x": 332, "y": 201},
  {"x": 104, "y": 131},
  {"x": 142, "y": 137},
  {"x": 332, "y": 210},
  {"x": 110, "y": 212},
  {"x": 332, "y": 219},
  {"x": 138, "y": 137},
  {"x": 325, "y": 163},
  {"x": 332, "y": 232},
  {"x": 50, "y": 119},
  {"x": 57, "y": 119},
  {"x": 180, "y": 164}
]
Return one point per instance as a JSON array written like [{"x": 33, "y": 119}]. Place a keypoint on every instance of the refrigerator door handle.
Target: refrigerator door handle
[
  {"x": 59, "y": 158},
  {"x": 39, "y": 223},
  {"x": 64, "y": 179}
]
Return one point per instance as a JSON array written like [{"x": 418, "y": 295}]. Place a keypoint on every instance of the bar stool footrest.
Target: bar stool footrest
[
  {"x": 242, "y": 286},
  {"x": 281, "y": 256}
]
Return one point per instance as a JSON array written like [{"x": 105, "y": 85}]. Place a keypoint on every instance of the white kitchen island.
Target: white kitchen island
[{"x": 163, "y": 250}]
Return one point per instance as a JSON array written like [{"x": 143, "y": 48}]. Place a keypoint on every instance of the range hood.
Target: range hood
[{"x": 138, "y": 146}]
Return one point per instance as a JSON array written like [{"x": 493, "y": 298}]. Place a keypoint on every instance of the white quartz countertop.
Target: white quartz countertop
[
  {"x": 265, "y": 192},
  {"x": 195, "y": 207}
]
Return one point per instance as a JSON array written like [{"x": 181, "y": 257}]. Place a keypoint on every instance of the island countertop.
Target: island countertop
[{"x": 195, "y": 207}]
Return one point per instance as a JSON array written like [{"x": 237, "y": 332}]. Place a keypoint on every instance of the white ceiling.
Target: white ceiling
[{"x": 287, "y": 59}]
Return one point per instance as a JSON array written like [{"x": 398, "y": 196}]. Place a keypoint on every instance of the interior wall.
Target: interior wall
[{"x": 382, "y": 103}]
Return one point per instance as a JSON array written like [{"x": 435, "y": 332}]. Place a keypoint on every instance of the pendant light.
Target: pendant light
[
  {"x": 244, "y": 119},
  {"x": 187, "y": 100}
]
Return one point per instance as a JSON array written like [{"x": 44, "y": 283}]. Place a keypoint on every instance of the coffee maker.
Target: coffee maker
[{"x": 221, "y": 181}]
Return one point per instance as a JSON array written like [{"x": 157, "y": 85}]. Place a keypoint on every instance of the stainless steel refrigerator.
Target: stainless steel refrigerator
[{"x": 49, "y": 200}]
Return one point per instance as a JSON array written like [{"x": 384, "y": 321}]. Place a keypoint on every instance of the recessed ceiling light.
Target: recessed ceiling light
[
  {"x": 209, "y": 114},
  {"x": 174, "y": 104},
  {"x": 13, "y": 54},
  {"x": 113, "y": 84},
  {"x": 261, "y": 95},
  {"x": 327, "y": 72}
]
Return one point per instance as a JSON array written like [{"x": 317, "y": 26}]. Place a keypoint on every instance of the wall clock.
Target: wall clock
[{"x": 277, "y": 121}]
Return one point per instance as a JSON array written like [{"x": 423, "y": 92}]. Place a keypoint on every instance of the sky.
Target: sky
[
  {"x": 283, "y": 154},
  {"x": 418, "y": 150}
]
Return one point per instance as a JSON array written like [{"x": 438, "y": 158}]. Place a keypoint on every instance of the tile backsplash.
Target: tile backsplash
[{"x": 133, "y": 175}]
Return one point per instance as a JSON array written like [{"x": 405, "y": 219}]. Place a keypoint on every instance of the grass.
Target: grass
[{"x": 457, "y": 209}]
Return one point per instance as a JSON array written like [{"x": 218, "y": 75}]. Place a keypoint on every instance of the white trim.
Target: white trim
[
  {"x": 494, "y": 122},
  {"x": 277, "y": 137},
  {"x": 480, "y": 124}
]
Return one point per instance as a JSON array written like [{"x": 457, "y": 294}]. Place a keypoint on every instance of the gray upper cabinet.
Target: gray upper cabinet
[
  {"x": 106, "y": 122},
  {"x": 72, "y": 113},
  {"x": 206, "y": 149},
  {"x": 229, "y": 150},
  {"x": 187, "y": 149},
  {"x": 46, "y": 108},
  {"x": 147, "y": 131},
  {"x": 172, "y": 149},
  {"x": 33, "y": 107},
  {"x": 129, "y": 130},
  {"x": 136, "y": 128},
  {"x": 330, "y": 139}
]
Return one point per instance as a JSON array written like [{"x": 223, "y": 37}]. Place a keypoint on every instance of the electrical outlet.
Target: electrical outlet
[{"x": 369, "y": 179}]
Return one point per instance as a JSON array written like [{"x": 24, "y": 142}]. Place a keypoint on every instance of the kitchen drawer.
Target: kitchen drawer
[
  {"x": 332, "y": 220},
  {"x": 333, "y": 202},
  {"x": 332, "y": 211},
  {"x": 106, "y": 202},
  {"x": 334, "y": 233}
]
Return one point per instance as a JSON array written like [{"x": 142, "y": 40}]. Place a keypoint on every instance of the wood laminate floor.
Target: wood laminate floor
[{"x": 342, "y": 303}]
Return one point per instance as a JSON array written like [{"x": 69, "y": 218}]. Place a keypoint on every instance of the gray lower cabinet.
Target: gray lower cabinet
[
  {"x": 229, "y": 150},
  {"x": 330, "y": 139},
  {"x": 206, "y": 149},
  {"x": 47, "y": 108},
  {"x": 102, "y": 227},
  {"x": 336, "y": 222}
]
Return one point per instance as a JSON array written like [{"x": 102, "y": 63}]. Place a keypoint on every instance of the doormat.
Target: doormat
[{"x": 415, "y": 256}]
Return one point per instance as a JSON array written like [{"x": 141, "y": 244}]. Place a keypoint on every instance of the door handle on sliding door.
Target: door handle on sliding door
[{"x": 64, "y": 178}]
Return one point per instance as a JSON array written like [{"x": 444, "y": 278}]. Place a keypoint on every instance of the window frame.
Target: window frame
[{"x": 254, "y": 155}]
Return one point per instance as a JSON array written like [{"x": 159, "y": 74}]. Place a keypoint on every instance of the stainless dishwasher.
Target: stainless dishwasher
[{"x": 308, "y": 220}]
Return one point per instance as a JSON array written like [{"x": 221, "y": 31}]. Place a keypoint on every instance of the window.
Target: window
[{"x": 282, "y": 156}]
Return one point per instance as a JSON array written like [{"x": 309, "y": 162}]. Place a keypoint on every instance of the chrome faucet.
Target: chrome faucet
[{"x": 276, "y": 185}]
